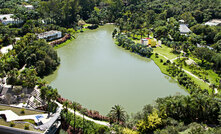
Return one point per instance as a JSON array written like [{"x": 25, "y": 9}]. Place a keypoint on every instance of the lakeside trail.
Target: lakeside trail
[
  {"x": 85, "y": 117},
  {"x": 171, "y": 60}
]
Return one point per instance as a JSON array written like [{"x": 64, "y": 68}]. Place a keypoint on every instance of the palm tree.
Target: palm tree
[
  {"x": 74, "y": 106},
  {"x": 83, "y": 111},
  {"x": 117, "y": 112},
  {"x": 65, "y": 105}
]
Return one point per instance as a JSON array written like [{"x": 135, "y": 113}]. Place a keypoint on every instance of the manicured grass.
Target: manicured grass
[
  {"x": 160, "y": 64},
  {"x": 163, "y": 68},
  {"x": 86, "y": 25},
  {"x": 166, "y": 51},
  {"x": 18, "y": 110},
  {"x": 63, "y": 44},
  {"x": 18, "y": 125},
  {"x": 209, "y": 74},
  {"x": 68, "y": 41},
  {"x": 202, "y": 84}
]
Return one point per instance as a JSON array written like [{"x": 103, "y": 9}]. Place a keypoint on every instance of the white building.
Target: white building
[
  {"x": 184, "y": 29},
  {"x": 30, "y": 7},
  {"x": 214, "y": 22},
  {"x": 50, "y": 35},
  {"x": 7, "y": 19},
  {"x": 144, "y": 41}
]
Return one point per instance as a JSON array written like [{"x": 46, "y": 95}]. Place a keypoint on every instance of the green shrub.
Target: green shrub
[
  {"x": 168, "y": 61},
  {"x": 26, "y": 126},
  {"x": 12, "y": 124},
  {"x": 22, "y": 111},
  {"x": 161, "y": 60}
]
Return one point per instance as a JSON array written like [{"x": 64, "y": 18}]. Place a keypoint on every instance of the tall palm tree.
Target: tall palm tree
[
  {"x": 83, "y": 111},
  {"x": 65, "y": 105},
  {"x": 117, "y": 112},
  {"x": 74, "y": 106}
]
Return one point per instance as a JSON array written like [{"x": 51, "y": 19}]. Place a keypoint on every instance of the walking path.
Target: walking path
[
  {"x": 171, "y": 60},
  {"x": 87, "y": 118}
]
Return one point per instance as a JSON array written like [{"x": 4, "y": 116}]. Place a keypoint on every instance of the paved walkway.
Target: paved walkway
[
  {"x": 171, "y": 60},
  {"x": 11, "y": 116},
  {"x": 87, "y": 118}
]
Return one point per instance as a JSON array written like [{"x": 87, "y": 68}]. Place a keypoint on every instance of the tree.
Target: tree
[
  {"x": 65, "y": 105},
  {"x": 153, "y": 122},
  {"x": 217, "y": 37},
  {"x": 203, "y": 54},
  {"x": 217, "y": 61},
  {"x": 75, "y": 106},
  {"x": 117, "y": 113},
  {"x": 49, "y": 95},
  {"x": 161, "y": 31},
  {"x": 83, "y": 111},
  {"x": 217, "y": 46}
]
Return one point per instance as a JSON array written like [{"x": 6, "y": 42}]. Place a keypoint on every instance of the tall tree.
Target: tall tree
[{"x": 117, "y": 113}]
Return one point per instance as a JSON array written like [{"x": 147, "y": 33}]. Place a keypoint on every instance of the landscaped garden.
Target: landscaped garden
[
  {"x": 27, "y": 124},
  {"x": 20, "y": 111}
]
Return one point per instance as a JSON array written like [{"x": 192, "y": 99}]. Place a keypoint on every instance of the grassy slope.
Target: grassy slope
[
  {"x": 68, "y": 41},
  {"x": 18, "y": 110},
  {"x": 166, "y": 51}
]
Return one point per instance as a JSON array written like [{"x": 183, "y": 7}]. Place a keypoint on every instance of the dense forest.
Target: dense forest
[{"x": 199, "y": 112}]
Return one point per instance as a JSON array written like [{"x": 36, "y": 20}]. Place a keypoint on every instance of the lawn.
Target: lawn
[
  {"x": 159, "y": 64},
  {"x": 166, "y": 51},
  {"x": 69, "y": 40},
  {"x": 202, "y": 84},
  {"x": 163, "y": 68},
  {"x": 63, "y": 44},
  {"x": 18, "y": 125},
  {"x": 201, "y": 72},
  {"x": 18, "y": 110}
]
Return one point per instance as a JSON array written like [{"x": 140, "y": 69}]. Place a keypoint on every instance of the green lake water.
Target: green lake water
[{"x": 98, "y": 74}]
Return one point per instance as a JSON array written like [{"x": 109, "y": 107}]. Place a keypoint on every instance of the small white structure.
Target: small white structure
[
  {"x": 5, "y": 50},
  {"x": 50, "y": 35},
  {"x": 214, "y": 22},
  {"x": 7, "y": 19},
  {"x": 181, "y": 21},
  {"x": 184, "y": 29},
  {"x": 30, "y": 7},
  {"x": 159, "y": 42},
  {"x": 144, "y": 41}
]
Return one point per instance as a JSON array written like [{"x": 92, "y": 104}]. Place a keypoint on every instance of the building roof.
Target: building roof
[
  {"x": 29, "y": 6},
  {"x": 181, "y": 21},
  {"x": 213, "y": 22},
  {"x": 4, "y": 17},
  {"x": 184, "y": 29},
  {"x": 48, "y": 33}
]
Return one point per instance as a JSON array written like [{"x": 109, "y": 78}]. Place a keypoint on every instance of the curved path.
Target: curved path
[
  {"x": 86, "y": 117},
  {"x": 171, "y": 60}
]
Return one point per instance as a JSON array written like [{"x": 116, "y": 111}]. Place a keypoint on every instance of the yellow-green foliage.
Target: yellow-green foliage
[
  {"x": 129, "y": 131},
  {"x": 153, "y": 121}
]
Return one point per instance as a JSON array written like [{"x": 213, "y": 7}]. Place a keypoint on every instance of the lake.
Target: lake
[{"x": 99, "y": 74}]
